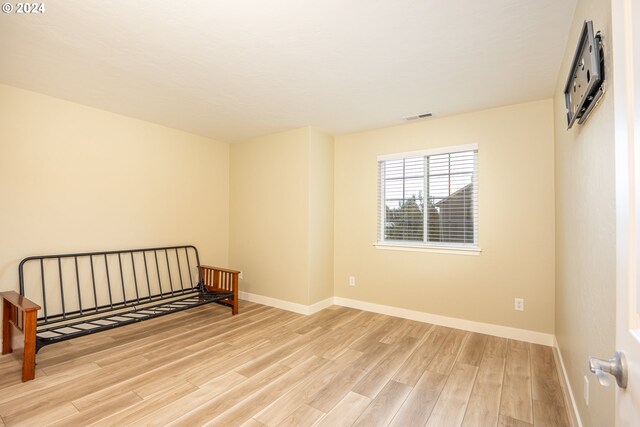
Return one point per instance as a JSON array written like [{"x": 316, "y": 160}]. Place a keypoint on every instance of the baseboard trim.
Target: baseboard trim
[
  {"x": 570, "y": 401},
  {"x": 452, "y": 322},
  {"x": 286, "y": 305},
  {"x": 467, "y": 325},
  {"x": 321, "y": 305}
]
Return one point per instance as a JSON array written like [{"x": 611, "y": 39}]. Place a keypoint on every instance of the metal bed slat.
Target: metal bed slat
[
  {"x": 106, "y": 266},
  {"x": 146, "y": 272},
  {"x": 64, "y": 312},
  {"x": 135, "y": 277},
  {"x": 78, "y": 284},
  {"x": 179, "y": 271},
  {"x": 135, "y": 311},
  {"x": 124, "y": 293},
  {"x": 155, "y": 254},
  {"x": 93, "y": 281},
  {"x": 186, "y": 251},
  {"x": 106, "y": 309},
  {"x": 166, "y": 255},
  {"x": 44, "y": 292}
]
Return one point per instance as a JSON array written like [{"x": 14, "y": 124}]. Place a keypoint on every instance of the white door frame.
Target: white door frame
[{"x": 626, "y": 87}]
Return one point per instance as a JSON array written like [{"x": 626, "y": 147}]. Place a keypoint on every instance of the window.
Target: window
[{"x": 429, "y": 198}]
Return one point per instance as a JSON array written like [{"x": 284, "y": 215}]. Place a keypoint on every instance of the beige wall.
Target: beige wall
[
  {"x": 281, "y": 214},
  {"x": 516, "y": 221},
  {"x": 269, "y": 215},
  {"x": 585, "y": 230},
  {"x": 320, "y": 216},
  {"x": 74, "y": 178}
]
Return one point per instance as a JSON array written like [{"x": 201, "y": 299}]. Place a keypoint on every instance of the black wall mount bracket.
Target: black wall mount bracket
[{"x": 585, "y": 84}]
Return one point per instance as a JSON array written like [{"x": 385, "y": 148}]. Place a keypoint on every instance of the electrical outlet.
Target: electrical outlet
[
  {"x": 352, "y": 281},
  {"x": 240, "y": 276},
  {"x": 519, "y": 304},
  {"x": 586, "y": 390}
]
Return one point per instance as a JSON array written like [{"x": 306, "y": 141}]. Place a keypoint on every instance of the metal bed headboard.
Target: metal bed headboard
[{"x": 95, "y": 282}]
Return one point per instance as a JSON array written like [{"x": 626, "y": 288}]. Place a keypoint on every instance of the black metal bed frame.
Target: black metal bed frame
[{"x": 146, "y": 292}]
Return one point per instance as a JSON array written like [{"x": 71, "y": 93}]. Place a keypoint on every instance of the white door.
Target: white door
[{"x": 626, "y": 83}]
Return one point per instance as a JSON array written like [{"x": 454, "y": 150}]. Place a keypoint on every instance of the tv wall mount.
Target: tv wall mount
[{"x": 585, "y": 84}]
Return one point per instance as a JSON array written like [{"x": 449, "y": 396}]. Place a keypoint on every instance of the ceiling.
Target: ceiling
[{"x": 232, "y": 70}]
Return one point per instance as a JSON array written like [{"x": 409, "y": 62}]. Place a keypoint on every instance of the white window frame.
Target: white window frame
[{"x": 445, "y": 247}]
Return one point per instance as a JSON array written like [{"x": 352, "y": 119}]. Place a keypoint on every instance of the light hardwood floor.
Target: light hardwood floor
[{"x": 268, "y": 367}]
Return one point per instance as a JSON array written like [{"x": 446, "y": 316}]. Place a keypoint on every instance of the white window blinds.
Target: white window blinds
[{"x": 429, "y": 199}]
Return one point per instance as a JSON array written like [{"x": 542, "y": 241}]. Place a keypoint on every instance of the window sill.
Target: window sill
[{"x": 455, "y": 250}]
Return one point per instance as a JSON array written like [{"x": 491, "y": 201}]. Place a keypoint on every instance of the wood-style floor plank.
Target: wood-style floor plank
[
  {"x": 227, "y": 362},
  {"x": 376, "y": 334},
  {"x": 548, "y": 400},
  {"x": 266, "y": 367},
  {"x": 346, "y": 412},
  {"x": 384, "y": 406},
  {"x": 484, "y": 403},
  {"x": 297, "y": 396},
  {"x": 407, "y": 328},
  {"x": 149, "y": 406},
  {"x": 43, "y": 383},
  {"x": 194, "y": 400},
  {"x": 263, "y": 398},
  {"x": 545, "y": 384},
  {"x": 302, "y": 417},
  {"x": 496, "y": 347},
  {"x": 376, "y": 379},
  {"x": 326, "y": 398},
  {"x": 40, "y": 417},
  {"x": 417, "y": 408},
  {"x": 9, "y": 364},
  {"x": 444, "y": 359},
  {"x": 226, "y": 400},
  {"x": 51, "y": 397},
  {"x": 99, "y": 409},
  {"x": 472, "y": 350},
  {"x": 451, "y": 405},
  {"x": 506, "y": 421},
  {"x": 313, "y": 343},
  {"x": 417, "y": 363},
  {"x": 516, "y": 391},
  {"x": 546, "y": 414}
]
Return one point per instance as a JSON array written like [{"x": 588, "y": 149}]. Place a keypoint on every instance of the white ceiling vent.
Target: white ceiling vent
[{"x": 419, "y": 116}]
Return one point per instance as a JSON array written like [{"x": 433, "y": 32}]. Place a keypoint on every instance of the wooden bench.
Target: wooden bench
[{"x": 80, "y": 294}]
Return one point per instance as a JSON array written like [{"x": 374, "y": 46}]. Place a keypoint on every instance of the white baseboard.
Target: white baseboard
[
  {"x": 467, "y": 325},
  {"x": 570, "y": 400},
  {"x": 286, "y": 305},
  {"x": 451, "y": 322},
  {"x": 321, "y": 305}
]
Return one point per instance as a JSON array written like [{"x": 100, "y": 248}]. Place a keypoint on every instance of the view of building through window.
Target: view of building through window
[{"x": 444, "y": 184}]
